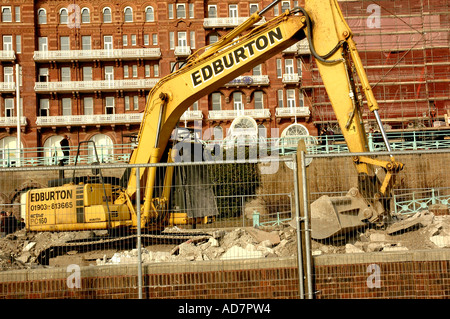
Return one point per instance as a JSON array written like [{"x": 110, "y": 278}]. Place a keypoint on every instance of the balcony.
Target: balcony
[
  {"x": 7, "y": 87},
  {"x": 292, "y": 111},
  {"x": 192, "y": 116},
  {"x": 12, "y": 121},
  {"x": 290, "y": 78},
  {"x": 182, "y": 51},
  {"x": 9, "y": 55},
  {"x": 227, "y": 22},
  {"x": 249, "y": 80},
  {"x": 89, "y": 86},
  {"x": 80, "y": 120},
  {"x": 232, "y": 114},
  {"x": 301, "y": 47},
  {"x": 87, "y": 55}
]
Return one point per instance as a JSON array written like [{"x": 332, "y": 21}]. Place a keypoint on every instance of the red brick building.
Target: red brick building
[{"x": 86, "y": 68}]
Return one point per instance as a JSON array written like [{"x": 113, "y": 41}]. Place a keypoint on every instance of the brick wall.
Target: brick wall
[{"x": 422, "y": 274}]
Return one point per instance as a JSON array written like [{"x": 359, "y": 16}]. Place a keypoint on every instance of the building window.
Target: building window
[
  {"x": 149, "y": 14},
  {"x": 233, "y": 10},
  {"x": 17, "y": 14},
  {"x": 128, "y": 14},
  {"x": 253, "y": 8},
  {"x": 87, "y": 73},
  {"x": 135, "y": 71},
  {"x": 42, "y": 42},
  {"x": 155, "y": 39},
  {"x": 147, "y": 71},
  {"x": 18, "y": 44},
  {"x": 43, "y": 74},
  {"x": 108, "y": 42},
  {"x": 65, "y": 74},
  {"x": 63, "y": 16},
  {"x": 237, "y": 101},
  {"x": 85, "y": 15},
  {"x": 8, "y": 74},
  {"x": 213, "y": 38},
  {"x": 109, "y": 73},
  {"x": 107, "y": 15},
  {"x": 86, "y": 42},
  {"x": 280, "y": 98},
  {"x": 64, "y": 43},
  {"x": 181, "y": 11},
  {"x": 109, "y": 105},
  {"x": 156, "y": 70},
  {"x": 191, "y": 11},
  {"x": 66, "y": 106},
  {"x": 218, "y": 133},
  {"x": 171, "y": 40},
  {"x": 7, "y": 43},
  {"x": 216, "y": 101},
  {"x": 182, "y": 41},
  {"x": 192, "y": 39},
  {"x": 9, "y": 107},
  {"x": 88, "y": 105},
  {"x": 279, "y": 72},
  {"x": 133, "y": 39},
  {"x": 126, "y": 73},
  {"x": 170, "y": 10},
  {"x": 125, "y": 40},
  {"x": 212, "y": 11},
  {"x": 301, "y": 99},
  {"x": 42, "y": 16},
  {"x": 289, "y": 66},
  {"x": 135, "y": 103},
  {"x": 146, "y": 39},
  {"x": 285, "y": 5},
  {"x": 127, "y": 103},
  {"x": 6, "y": 14},
  {"x": 299, "y": 67},
  {"x": 44, "y": 107},
  {"x": 290, "y": 97},
  {"x": 257, "y": 70},
  {"x": 259, "y": 102}
]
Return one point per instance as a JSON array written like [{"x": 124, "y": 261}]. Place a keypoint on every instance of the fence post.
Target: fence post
[
  {"x": 304, "y": 220},
  {"x": 138, "y": 212}
]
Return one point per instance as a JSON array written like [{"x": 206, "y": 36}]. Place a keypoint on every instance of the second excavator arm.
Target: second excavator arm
[{"x": 333, "y": 48}]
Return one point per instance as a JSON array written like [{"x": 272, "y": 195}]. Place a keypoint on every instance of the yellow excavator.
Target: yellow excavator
[{"x": 94, "y": 205}]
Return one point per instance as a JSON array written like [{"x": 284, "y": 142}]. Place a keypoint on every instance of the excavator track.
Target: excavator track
[{"x": 126, "y": 241}]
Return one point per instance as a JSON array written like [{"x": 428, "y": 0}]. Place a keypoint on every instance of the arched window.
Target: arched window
[
  {"x": 128, "y": 14},
  {"x": 85, "y": 15},
  {"x": 52, "y": 150},
  {"x": 42, "y": 16},
  {"x": 104, "y": 146},
  {"x": 149, "y": 14},
  {"x": 9, "y": 154},
  {"x": 63, "y": 16},
  {"x": 107, "y": 15}
]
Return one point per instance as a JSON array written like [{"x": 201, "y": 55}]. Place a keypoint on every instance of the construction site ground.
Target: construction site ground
[{"x": 20, "y": 250}]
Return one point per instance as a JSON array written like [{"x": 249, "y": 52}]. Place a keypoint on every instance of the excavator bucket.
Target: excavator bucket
[{"x": 335, "y": 216}]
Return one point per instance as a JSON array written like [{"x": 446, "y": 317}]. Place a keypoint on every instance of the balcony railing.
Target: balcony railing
[
  {"x": 232, "y": 114},
  {"x": 182, "y": 51},
  {"x": 67, "y": 55},
  {"x": 292, "y": 111},
  {"x": 301, "y": 47},
  {"x": 192, "y": 115},
  {"x": 12, "y": 121},
  {"x": 7, "y": 55},
  {"x": 249, "y": 80},
  {"x": 126, "y": 118},
  {"x": 7, "y": 87},
  {"x": 291, "y": 78},
  {"x": 227, "y": 22},
  {"x": 104, "y": 85}
]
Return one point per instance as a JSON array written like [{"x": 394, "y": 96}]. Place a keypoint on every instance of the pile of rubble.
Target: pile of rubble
[{"x": 426, "y": 231}]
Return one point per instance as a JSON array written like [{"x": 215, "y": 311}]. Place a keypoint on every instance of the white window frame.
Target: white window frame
[
  {"x": 280, "y": 98},
  {"x": 192, "y": 39},
  {"x": 44, "y": 105},
  {"x": 170, "y": 10},
  {"x": 8, "y": 74},
  {"x": 110, "y": 103},
  {"x": 125, "y": 40},
  {"x": 191, "y": 11},
  {"x": 107, "y": 15},
  {"x": 7, "y": 43},
  {"x": 134, "y": 70},
  {"x": 289, "y": 66},
  {"x": 42, "y": 19},
  {"x": 66, "y": 109},
  {"x": 18, "y": 43},
  {"x": 156, "y": 70},
  {"x": 133, "y": 40},
  {"x": 65, "y": 74},
  {"x": 171, "y": 40},
  {"x": 83, "y": 42},
  {"x": 87, "y": 73},
  {"x": 126, "y": 16},
  {"x": 253, "y": 5},
  {"x": 127, "y": 102},
  {"x": 290, "y": 98},
  {"x": 64, "y": 43},
  {"x": 238, "y": 105},
  {"x": 135, "y": 103},
  {"x": 154, "y": 39},
  {"x": 43, "y": 75},
  {"x": 182, "y": 14},
  {"x": 147, "y": 71},
  {"x": 17, "y": 14},
  {"x": 5, "y": 16},
  {"x": 63, "y": 13},
  {"x": 182, "y": 38},
  {"x": 108, "y": 42},
  {"x": 214, "y": 7},
  {"x": 258, "y": 97},
  {"x": 126, "y": 73},
  {"x": 151, "y": 11},
  {"x": 216, "y": 101},
  {"x": 43, "y": 43},
  {"x": 85, "y": 18},
  {"x": 88, "y": 105},
  {"x": 9, "y": 107}
]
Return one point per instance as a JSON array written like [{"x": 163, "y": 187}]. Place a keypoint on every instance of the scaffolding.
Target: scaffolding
[{"x": 404, "y": 46}]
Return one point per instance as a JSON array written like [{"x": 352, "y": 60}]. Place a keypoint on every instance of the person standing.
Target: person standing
[{"x": 65, "y": 149}]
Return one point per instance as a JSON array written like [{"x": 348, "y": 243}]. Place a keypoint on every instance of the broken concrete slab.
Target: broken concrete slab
[
  {"x": 441, "y": 241},
  {"x": 237, "y": 252},
  {"x": 261, "y": 235}
]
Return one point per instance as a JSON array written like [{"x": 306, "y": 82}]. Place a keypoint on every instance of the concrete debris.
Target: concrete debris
[{"x": 423, "y": 230}]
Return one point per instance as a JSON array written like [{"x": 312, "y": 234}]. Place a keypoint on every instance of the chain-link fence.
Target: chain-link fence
[{"x": 227, "y": 229}]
